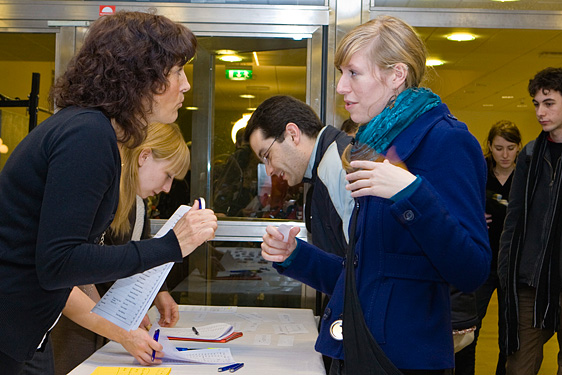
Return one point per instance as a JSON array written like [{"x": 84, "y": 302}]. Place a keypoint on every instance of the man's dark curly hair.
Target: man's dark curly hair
[
  {"x": 273, "y": 114},
  {"x": 123, "y": 63},
  {"x": 546, "y": 80}
]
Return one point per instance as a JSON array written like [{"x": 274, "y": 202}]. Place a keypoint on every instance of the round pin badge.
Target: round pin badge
[{"x": 336, "y": 330}]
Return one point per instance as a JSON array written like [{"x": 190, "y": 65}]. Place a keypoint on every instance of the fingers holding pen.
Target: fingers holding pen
[{"x": 194, "y": 228}]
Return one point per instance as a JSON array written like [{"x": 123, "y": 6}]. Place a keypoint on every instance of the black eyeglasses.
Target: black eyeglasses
[{"x": 265, "y": 157}]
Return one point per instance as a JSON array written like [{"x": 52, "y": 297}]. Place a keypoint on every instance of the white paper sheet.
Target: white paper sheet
[
  {"x": 214, "y": 331},
  {"x": 128, "y": 300}
]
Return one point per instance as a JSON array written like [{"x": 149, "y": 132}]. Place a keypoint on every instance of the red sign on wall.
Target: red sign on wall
[{"x": 106, "y": 10}]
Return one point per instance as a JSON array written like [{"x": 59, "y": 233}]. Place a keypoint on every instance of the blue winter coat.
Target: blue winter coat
[{"x": 409, "y": 250}]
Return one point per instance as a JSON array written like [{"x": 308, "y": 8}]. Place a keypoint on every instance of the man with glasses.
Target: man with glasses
[{"x": 292, "y": 142}]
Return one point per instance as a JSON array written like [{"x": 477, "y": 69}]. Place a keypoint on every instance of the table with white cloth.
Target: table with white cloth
[{"x": 275, "y": 341}]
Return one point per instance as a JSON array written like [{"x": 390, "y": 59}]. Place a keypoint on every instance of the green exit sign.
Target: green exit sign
[{"x": 238, "y": 74}]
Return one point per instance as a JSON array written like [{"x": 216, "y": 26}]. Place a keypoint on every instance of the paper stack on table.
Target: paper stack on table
[{"x": 218, "y": 332}]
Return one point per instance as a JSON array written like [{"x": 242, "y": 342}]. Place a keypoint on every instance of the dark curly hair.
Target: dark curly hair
[
  {"x": 546, "y": 80},
  {"x": 273, "y": 114},
  {"x": 123, "y": 63}
]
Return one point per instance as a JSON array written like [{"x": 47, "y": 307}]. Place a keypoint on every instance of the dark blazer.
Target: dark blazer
[
  {"x": 58, "y": 193},
  {"x": 408, "y": 251}
]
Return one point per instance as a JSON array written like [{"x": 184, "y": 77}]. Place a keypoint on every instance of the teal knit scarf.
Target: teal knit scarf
[{"x": 409, "y": 105}]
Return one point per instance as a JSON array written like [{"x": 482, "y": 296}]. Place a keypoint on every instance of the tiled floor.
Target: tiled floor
[{"x": 487, "y": 348}]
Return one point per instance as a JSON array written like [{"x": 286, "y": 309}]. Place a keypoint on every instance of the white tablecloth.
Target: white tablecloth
[{"x": 262, "y": 349}]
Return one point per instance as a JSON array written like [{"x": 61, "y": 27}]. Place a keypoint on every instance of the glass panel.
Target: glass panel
[
  {"x": 266, "y": 67},
  {"x": 231, "y": 271},
  {"x": 22, "y": 54},
  {"x": 472, "y": 4},
  {"x": 243, "y": 278}
]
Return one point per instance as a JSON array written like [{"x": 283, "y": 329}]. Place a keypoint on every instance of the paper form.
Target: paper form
[{"x": 128, "y": 300}]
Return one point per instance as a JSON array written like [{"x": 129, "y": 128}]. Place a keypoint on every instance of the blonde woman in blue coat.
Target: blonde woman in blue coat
[{"x": 419, "y": 208}]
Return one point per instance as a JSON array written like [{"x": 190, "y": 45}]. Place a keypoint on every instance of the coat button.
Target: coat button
[
  {"x": 327, "y": 313},
  {"x": 408, "y": 215}
]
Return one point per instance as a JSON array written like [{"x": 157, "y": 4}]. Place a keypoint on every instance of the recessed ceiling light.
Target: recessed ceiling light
[
  {"x": 461, "y": 37},
  {"x": 487, "y": 105},
  {"x": 230, "y": 58},
  {"x": 192, "y": 108},
  {"x": 504, "y": 1},
  {"x": 507, "y": 96},
  {"x": 434, "y": 62},
  {"x": 251, "y": 109},
  {"x": 225, "y": 52},
  {"x": 247, "y": 96}
]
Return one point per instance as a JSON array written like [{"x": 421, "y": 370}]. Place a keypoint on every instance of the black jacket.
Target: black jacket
[{"x": 528, "y": 233}]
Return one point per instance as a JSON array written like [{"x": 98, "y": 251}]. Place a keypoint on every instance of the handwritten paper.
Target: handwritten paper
[{"x": 128, "y": 300}]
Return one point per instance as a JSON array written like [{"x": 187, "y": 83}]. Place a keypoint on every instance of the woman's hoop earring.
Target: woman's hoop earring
[{"x": 390, "y": 103}]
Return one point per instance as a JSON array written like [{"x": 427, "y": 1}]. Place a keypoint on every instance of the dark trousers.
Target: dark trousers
[
  {"x": 338, "y": 368},
  {"x": 41, "y": 364},
  {"x": 528, "y": 359}
]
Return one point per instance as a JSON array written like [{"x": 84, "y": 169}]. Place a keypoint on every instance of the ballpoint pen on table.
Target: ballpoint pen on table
[
  {"x": 156, "y": 334},
  {"x": 195, "y": 330},
  {"x": 236, "y": 367},
  {"x": 230, "y": 367}
]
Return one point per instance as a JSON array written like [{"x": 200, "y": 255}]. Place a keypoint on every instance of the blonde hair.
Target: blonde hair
[
  {"x": 166, "y": 143},
  {"x": 389, "y": 41}
]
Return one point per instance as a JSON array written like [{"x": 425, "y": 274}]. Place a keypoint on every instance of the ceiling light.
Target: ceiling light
[
  {"x": 256, "y": 58},
  {"x": 3, "y": 148},
  {"x": 461, "y": 37},
  {"x": 230, "y": 58},
  {"x": 504, "y": 1},
  {"x": 192, "y": 108},
  {"x": 487, "y": 105},
  {"x": 225, "y": 52},
  {"x": 251, "y": 109},
  {"x": 241, "y": 123},
  {"x": 247, "y": 96},
  {"x": 507, "y": 96},
  {"x": 434, "y": 62}
]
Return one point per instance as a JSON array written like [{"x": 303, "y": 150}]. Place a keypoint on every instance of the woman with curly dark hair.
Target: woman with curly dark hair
[{"x": 59, "y": 189}]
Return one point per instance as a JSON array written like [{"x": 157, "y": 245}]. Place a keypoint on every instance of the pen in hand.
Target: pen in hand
[
  {"x": 195, "y": 331},
  {"x": 156, "y": 334}
]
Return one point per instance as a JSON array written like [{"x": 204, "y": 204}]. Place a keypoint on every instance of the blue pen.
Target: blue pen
[
  {"x": 227, "y": 368},
  {"x": 156, "y": 334},
  {"x": 236, "y": 367}
]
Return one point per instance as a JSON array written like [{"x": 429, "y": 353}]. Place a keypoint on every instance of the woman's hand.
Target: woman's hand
[
  {"x": 379, "y": 179},
  {"x": 140, "y": 345},
  {"x": 273, "y": 248},
  {"x": 194, "y": 228},
  {"x": 168, "y": 309}
]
